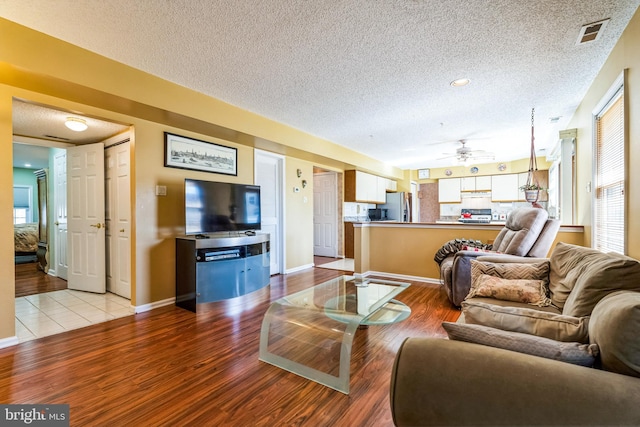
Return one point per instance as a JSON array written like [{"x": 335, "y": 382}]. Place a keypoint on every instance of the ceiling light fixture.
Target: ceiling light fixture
[
  {"x": 76, "y": 124},
  {"x": 460, "y": 82}
]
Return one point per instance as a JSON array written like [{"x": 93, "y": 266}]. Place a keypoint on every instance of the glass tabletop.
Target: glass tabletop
[{"x": 310, "y": 332}]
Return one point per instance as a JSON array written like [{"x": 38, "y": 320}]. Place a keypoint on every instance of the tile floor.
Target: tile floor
[{"x": 59, "y": 311}]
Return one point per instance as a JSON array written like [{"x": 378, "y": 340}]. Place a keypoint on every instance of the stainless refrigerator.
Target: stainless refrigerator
[{"x": 397, "y": 207}]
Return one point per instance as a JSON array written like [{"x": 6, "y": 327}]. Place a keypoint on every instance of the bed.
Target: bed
[{"x": 26, "y": 242}]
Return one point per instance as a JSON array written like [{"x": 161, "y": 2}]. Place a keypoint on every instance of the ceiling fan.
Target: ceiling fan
[{"x": 464, "y": 155}]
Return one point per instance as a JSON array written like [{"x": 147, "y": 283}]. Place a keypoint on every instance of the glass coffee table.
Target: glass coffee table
[{"x": 310, "y": 333}]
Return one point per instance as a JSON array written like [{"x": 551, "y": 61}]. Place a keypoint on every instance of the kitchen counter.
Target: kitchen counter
[{"x": 405, "y": 250}]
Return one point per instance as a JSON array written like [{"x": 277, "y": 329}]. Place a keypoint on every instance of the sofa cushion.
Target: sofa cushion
[
  {"x": 522, "y": 282},
  {"x": 580, "y": 277},
  {"x": 527, "y": 320},
  {"x": 529, "y": 291},
  {"x": 615, "y": 327},
  {"x": 520, "y": 231},
  {"x": 575, "y": 353}
]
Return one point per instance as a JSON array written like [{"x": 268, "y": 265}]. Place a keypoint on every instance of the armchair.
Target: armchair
[{"x": 528, "y": 232}]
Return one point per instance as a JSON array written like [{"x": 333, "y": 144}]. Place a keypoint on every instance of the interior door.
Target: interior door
[
  {"x": 86, "y": 218},
  {"x": 269, "y": 169},
  {"x": 118, "y": 219},
  {"x": 325, "y": 214},
  {"x": 60, "y": 213}
]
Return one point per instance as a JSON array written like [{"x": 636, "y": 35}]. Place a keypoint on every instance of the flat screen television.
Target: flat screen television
[{"x": 220, "y": 206}]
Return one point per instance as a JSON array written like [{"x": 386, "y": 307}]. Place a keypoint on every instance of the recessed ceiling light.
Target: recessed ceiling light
[
  {"x": 460, "y": 82},
  {"x": 76, "y": 124}
]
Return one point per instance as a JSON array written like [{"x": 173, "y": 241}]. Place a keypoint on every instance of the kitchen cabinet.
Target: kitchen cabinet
[
  {"x": 449, "y": 190},
  {"x": 391, "y": 185},
  {"x": 364, "y": 187},
  {"x": 475, "y": 183},
  {"x": 349, "y": 240},
  {"x": 504, "y": 188},
  {"x": 483, "y": 183}
]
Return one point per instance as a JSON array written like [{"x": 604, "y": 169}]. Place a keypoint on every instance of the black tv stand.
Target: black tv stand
[{"x": 219, "y": 268}]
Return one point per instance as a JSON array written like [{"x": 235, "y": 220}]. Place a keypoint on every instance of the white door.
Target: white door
[
  {"x": 118, "y": 219},
  {"x": 60, "y": 206},
  {"x": 325, "y": 214},
  {"x": 269, "y": 170},
  {"x": 85, "y": 215}
]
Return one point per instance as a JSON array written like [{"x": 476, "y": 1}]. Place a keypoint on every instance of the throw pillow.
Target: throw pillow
[
  {"x": 531, "y": 286},
  {"x": 571, "y": 352},
  {"x": 529, "y": 291},
  {"x": 614, "y": 326},
  {"x": 527, "y": 320}
]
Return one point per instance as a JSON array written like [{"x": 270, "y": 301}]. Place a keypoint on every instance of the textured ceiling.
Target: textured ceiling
[{"x": 370, "y": 75}]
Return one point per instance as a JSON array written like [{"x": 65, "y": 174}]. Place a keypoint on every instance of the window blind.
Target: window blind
[
  {"x": 609, "y": 198},
  {"x": 21, "y": 197}
]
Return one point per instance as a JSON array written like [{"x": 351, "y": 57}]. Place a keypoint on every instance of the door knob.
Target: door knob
[
  {"x": 56, "y": 223},
  {"x": 98, "y": 225},
  {"x": 122, "y": 230}
]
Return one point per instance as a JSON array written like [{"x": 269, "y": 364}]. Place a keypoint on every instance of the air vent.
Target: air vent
[
  {"x": 56, "y": 137},
  {"x": 591, "y": 32}
]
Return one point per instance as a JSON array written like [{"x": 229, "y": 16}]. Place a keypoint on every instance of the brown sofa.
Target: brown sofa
[{"x": 570, "y": 356}]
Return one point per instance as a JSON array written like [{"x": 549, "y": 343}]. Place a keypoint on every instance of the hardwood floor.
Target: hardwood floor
[
  {"x": 30, "y": 280},
  {"x": 173, "y": 367}
]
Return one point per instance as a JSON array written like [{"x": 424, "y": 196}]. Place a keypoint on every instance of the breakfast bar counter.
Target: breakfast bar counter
[{"x": 405, "y": 250}]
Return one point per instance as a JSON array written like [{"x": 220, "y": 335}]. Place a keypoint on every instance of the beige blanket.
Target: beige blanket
[{"x": 26, "y": 237}]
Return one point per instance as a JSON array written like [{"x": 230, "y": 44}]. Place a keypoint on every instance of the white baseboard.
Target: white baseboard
[
  {"x": 300, "y": 268},
  {"x": 156, "y": 304},
  {"x": 399, "y": 276},
  {"x": 9, "y": 341}
]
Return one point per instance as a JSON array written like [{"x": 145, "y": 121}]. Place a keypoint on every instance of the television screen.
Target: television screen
[{"x": 220, "y": 206}]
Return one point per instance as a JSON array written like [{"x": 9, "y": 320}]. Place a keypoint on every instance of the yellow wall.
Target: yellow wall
[
  {"x": 408, "y": 250},
  {"x": 41, "y": 69},
  {"x": 299, "y": 214},
  {"x": 515, "y": 166},
  {"x": 623, "y": 56},
  {"x": 7, "y": 271}
]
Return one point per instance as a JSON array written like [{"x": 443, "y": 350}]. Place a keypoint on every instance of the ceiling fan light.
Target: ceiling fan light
[{"x": 76, "y": 124}]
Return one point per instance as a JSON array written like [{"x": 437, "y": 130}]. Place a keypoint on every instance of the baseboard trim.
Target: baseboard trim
[
  {"x": 156, "y": 304},
  {"x": 300, "y": 268},
  {"x": 9, "y": 341},
  {"x": 399, "y": 276}
]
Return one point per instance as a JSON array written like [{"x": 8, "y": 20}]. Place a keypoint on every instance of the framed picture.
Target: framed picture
[{"x": 188, "y": 153}]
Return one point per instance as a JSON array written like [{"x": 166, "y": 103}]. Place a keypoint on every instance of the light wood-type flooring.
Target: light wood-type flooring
[{"x": 172, "y": 367}]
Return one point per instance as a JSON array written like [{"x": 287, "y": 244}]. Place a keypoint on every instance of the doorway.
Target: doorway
[{"x": 63, "y": 309}]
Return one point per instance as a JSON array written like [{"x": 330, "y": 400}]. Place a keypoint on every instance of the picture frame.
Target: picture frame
[{"x": 188, "y": 153}]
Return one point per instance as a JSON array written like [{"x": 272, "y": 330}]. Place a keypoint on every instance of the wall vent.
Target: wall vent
[
  {"x": 60, "y": 138},
  {"x": 591, "y": 32}
]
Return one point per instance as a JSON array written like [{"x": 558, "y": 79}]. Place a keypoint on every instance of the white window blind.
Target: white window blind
[{"x": 609, "y": 197}]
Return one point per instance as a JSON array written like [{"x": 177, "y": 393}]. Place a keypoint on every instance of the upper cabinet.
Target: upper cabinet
[
  {"x": 475, "y": 183},
  {"x": 449, "y": 190},
  {"x": 364, "y": 187},
  {"x": 504, "y": 188}
]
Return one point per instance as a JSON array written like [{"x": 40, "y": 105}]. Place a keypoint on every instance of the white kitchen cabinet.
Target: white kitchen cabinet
[
  {"x": 522, "y": 180},
  {"x": 391, "y": 185},
  {"x": 504, "y": 188},
  {"x": 468, "y": 183},
  {"x": 449, "y": 190},
  {"x": 483, "y": 183},
  {"x": 364, "y": 187}
]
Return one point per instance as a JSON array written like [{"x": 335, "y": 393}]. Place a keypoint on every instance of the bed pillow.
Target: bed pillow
[
  {"x": 528, "y": 321},
  {"x": 570, "y": 352}
]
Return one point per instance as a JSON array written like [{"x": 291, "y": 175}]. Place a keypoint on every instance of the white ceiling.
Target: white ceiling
[{"x": 370, "y": 75}]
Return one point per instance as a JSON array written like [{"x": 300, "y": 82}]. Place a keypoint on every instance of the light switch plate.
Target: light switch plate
[{"x": 161, "y": 190}]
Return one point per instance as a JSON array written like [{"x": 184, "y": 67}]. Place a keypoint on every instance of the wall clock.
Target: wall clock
[
  {"x": 448, "y": 172},
  {"x": 473, "y": 170},
  {"x": 502, "y": 167}
]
